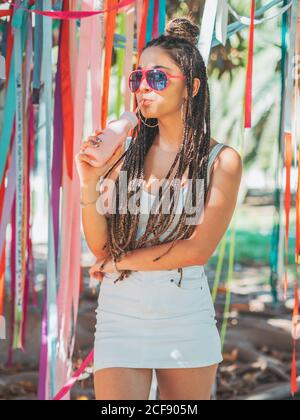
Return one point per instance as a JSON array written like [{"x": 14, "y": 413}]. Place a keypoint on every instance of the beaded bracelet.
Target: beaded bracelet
[{"x": 114, "y": 264}]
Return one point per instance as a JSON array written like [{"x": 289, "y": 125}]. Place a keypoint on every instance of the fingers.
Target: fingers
[
  {"x": 95, "y": 273},
  {"x": 83, "y": 158},
  {"x": 97, "y": 276},
  {"x": 91, "y": 141}
]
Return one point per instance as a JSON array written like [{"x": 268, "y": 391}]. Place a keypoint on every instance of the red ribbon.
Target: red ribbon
[
  {"x": 76, "y": 14},
  {"x": 66, "y": 93},
  {"x": 4, "y": 13}
]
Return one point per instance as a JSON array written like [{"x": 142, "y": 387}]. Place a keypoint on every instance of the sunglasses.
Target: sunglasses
[{"x": 157, "y": 79}]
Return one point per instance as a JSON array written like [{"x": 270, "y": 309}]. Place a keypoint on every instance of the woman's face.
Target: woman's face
[{"x": 168, "y": 101}]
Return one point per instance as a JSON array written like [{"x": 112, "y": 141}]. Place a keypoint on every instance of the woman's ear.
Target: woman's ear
[{"x": 196, "y": 86}]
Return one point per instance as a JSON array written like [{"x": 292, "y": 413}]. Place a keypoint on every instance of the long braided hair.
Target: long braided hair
[{"x": 180, "y": 42}]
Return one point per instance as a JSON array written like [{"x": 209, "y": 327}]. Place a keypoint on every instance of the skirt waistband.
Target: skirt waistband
[{"x": 191, "y": 271}]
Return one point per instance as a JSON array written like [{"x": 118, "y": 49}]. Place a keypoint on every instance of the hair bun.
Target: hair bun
[{"x": 183, "y": 27}]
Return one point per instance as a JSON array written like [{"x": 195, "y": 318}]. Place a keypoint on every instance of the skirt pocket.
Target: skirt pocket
[
  {"x": 192, "y": 296},
  {"x": 122, "y": 297}
]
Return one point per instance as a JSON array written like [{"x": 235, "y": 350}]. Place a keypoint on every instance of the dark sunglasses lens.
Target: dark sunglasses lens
[
  {"x": 135, "y": 80},
  {"x": 157, "y": 79}
]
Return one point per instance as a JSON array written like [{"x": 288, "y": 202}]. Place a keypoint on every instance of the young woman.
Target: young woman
[{"x": 155, "y": 308}]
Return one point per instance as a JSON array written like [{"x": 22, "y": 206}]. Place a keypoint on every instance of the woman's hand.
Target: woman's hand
[
  {"x": 88, "y": 173},
  {"x": 97, "y": 272}
]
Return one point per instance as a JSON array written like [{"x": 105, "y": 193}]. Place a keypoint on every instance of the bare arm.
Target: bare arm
[
  {"x": 198, "y": 249},
  {"x": 94, "y": 224}
]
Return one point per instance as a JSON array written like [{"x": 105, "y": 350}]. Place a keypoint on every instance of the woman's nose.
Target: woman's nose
[{"x": 144, "y": 85}]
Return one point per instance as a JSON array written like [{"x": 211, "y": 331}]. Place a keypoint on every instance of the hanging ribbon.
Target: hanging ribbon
[
  {"x": 67, "y": 100},
  {"x": 4, "y": 13},
  {"x": 27, "y": 112},
  {"x": 109, "y": 30},
  {"x": 143, "y": 28},
  {"x": 38, "y": 45},
  {"x": 68, "y": 294},
  {"x": 207, "y": 28},
  {"x": 287, "y": 202},
  {"x": 235, "y": 27},
  {"x": 138, "y": 17},
  {"x": 222, "y": 22},
  {"x": 295, "y": 47},
  {"x": 247, "y": 21},
  {"x": 294, "y": 384},
  {"x": 155, "y": 20},
  {"x": 129, "y": 55},
  {"x": 289, "y": 140},
  {"x": 150, "y": 18},
  {"x": 162, "y": 16},
  {"x": 2, "y": 273},
  {"x": 19, "y": 269},
  {"x": 120, "y": 59},
  {"x": 76, "y": 14},
  {"x": 2, "y": 68},
  {"x": 290, "y": 73},
  {"x": 52, "y": 320},
  {"x": 67, "y": 387},
  {"x": 43, "y": 380},
  {"x": 228, "y": 282},
  {"x": 249, "y": 81},
  {"x": 96, "y": 58},
  {"x": 276, "y": 254}
]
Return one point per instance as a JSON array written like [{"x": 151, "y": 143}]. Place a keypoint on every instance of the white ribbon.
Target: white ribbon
[
  {"x": 216, "y": 15},
  {"x": 289, "y": 78},
  {"x": 207, "y": 28},
  {"x": 222, "y": 21},
  {"x": 2, "y": 68},
  {"x": 247, "y": 21}
]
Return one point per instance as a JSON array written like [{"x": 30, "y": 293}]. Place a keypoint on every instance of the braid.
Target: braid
[{"x": 193, "y": 155}]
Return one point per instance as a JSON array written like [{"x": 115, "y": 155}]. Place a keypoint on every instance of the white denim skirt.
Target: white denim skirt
[{"x": 148, "y": 321}]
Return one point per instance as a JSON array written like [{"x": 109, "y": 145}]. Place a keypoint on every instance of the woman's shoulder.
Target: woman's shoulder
[{"x": 225, "y": 157}]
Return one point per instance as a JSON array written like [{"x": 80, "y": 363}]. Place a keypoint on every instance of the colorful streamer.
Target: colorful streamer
[
  {"x": 42, "y": 124},
  {"x": 75, "y": 14},
  {"x": 249, "y": 80}
]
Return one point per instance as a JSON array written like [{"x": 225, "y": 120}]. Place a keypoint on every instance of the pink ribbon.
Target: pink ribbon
[
  {"x": 75, "y": 14},
  {"x": 67, "y": 387}
]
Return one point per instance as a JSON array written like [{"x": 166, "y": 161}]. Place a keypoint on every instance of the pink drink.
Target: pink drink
[{"x": 110, "y": 139}]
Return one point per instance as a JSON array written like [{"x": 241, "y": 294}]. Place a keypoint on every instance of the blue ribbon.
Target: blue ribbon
[
  {"x": 52, "y": 317},
  {"x": 162, "y": 16},
  {"x": 150, "y": 18},
  {"x": 38, "y": 47}
]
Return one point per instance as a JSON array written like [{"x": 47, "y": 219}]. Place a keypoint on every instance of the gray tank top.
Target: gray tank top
[
  {"x": 212, "y": 156},
  {"x": 147, "y": 198}
]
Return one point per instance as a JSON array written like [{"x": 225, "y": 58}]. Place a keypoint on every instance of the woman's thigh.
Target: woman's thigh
[
  {"x": 120, "y": 383},
  {"x": 186, "y": 383}
]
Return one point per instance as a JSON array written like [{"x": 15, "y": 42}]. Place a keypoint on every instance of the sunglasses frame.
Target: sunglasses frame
[{"x": 144, "y": 76}]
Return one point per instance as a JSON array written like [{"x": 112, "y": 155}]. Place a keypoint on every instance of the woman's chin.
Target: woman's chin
[{"x": 149, "y": 114}]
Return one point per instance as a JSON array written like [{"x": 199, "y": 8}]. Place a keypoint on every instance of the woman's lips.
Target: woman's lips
[{"x": 146, "y": 102}]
